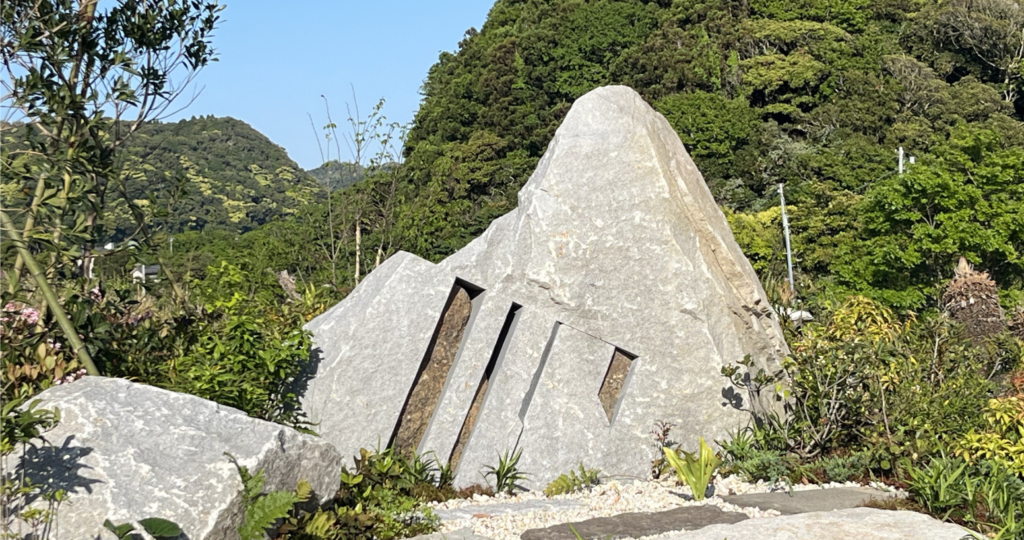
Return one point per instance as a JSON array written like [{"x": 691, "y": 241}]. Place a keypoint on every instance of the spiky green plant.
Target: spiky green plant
[
  {"x": 695, "y": 470},
  {"x": 507, "y": 474}
]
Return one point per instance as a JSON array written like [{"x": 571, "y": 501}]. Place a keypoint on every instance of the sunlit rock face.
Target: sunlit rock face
[
  {"x": 607, "y": 301},
  {"x": 126, "y": 451}
]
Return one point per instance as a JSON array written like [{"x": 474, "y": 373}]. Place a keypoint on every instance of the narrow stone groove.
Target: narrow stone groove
[
  {"x": 437, "y": 362},
  {"x": 497, "y": 355},
  {"x": 536, "y": 374}
]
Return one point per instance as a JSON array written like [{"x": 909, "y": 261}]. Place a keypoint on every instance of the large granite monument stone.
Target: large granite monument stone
[{"x": 608, "y": 300}]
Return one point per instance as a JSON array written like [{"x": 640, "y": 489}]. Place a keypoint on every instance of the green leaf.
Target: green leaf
[
  {"x": 160, "y": 528},
  {"x": 264, "y": 512},
  {"x": 121, "y": 531}
]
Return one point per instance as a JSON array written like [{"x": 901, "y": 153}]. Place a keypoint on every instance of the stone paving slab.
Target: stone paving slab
[
  {"x": 850, "y": 524},
  {"x": 811, "y": 500},
  {"x": 500, "y": 509},
  {"x": 637, "y": 524}
]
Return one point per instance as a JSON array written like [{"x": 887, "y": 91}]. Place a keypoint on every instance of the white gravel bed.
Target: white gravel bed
[
  {"x": 513, "y": 515},
  {"x": 605, "y": 500}
]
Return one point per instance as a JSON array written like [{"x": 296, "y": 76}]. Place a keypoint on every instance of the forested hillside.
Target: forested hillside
[
  {"x": 815, "y": 94},
  {"x": 213, "y": 173}
]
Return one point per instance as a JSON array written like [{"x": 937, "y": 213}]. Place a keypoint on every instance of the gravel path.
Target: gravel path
[{"x": 505, "y": 518}]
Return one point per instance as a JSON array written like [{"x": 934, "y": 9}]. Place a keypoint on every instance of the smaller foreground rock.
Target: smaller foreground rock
[
  {"x": 852, "y": 524},
  {"x": 125, "y": 451}
]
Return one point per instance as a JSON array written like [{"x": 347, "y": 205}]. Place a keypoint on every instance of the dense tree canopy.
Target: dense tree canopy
[
  {"x": 231, "y": 176},
  {"x": 813, "y": 94}
]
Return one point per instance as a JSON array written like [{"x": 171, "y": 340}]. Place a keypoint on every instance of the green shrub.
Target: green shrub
[
  {"x": 768, "y": 465},
  {"x": 35, "y": 356},
  {"x": 1002, "y": 439},
  {"x": 838, "y": 468},
  {"x": 862, "y": 380},
  {"x": 240, "y": 352},
  {"x": 380, "y": 498}
]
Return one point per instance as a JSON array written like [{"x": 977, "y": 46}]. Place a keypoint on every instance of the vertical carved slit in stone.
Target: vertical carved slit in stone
[
  {"x": 437, "y": 362},
  {"x": 525, "y": 407},
  {"x": 497, "y": 357},
  {"x": 614, "y": 379}
]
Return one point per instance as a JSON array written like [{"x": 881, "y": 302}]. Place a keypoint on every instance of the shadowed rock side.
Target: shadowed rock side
[{"x": 616, "y": 245}]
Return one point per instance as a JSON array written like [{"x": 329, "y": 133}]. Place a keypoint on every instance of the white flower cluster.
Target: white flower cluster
[{"x": 71, "y": 377}]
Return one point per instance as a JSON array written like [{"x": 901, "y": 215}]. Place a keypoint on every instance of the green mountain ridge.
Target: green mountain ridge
[
  {"x": 338, "y": 174},
  {"x": 212, "y": 174}
]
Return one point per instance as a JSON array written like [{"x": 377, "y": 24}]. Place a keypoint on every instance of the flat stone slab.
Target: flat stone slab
[
  {"x": 851, "y": 524},
  {"x": 501, "y": 509},
  {"x": 638, "y": 524},
  {"x": 811, "y": 500}
]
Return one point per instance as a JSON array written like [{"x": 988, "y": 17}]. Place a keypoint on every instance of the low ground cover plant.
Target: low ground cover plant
[
  {"x": 985, "y": 496},
  {"x": 383, "y": 496},
  {"x": 574, "y": 480}
]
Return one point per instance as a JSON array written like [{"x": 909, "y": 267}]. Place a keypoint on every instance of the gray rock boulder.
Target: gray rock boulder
[
  {"x": 608, "y": 300},
  {"x": 853, "y": 524},
  {"x": 126, "y": 451}
]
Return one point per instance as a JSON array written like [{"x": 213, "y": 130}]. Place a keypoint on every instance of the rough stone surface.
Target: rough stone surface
[
  {"x": 128, "y": 451},
  {"x": 637, "y": 525},
  {"x": 816, "y": 500},
  {"x": 369, "y": 349},
  {"x": 852, "y": 524},
  {"x": 616, "y": 243}
]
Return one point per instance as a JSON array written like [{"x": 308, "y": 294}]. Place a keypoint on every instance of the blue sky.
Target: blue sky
[{"x": 277, "y": 58}]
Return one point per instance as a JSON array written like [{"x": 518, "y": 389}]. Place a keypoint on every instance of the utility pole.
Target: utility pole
[
  {"x": 900, "y": 152},
  {"x": 789, "y": 250}
]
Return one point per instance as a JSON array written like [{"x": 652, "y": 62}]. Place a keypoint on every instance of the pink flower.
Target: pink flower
[{"x": 31, "y": 315}]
